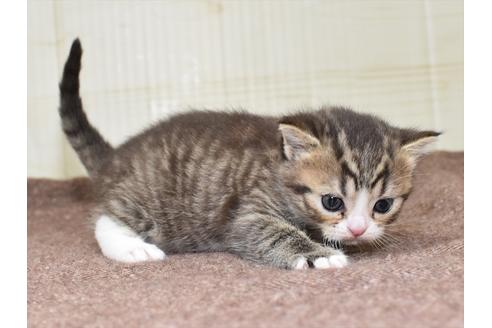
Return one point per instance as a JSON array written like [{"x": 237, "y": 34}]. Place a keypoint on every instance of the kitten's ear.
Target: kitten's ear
[
  {"x": 296, "y": 142},
  {"x": 417, "y": 143}
]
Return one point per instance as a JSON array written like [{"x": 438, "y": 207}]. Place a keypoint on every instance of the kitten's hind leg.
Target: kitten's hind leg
[{"x": 118, "y": 242}]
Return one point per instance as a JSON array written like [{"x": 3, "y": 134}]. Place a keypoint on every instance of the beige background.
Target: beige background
[{"x": 144, "y": 60}]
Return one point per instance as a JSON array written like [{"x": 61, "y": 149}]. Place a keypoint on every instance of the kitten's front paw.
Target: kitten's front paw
[
  {"x": 300, "y": 263},
  {"x": 334, "y": 261},
  {"x": 320, "y": 262}
]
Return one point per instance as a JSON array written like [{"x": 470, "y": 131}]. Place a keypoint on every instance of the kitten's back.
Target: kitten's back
[{"x": 179, "y": 181}]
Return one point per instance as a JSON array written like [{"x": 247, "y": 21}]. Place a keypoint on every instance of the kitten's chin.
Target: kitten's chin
[
  {"x": 351, "y": 242},
  {"x": 355, "y": 242}
]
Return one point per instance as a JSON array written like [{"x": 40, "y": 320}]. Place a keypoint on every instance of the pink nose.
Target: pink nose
[{"x": 357, "y": 231}]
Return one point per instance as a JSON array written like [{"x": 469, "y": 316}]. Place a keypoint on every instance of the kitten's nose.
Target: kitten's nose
[{"x": 357, "y": 231}]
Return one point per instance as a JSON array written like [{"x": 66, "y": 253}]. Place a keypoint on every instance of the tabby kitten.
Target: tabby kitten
[{"x": 272, "y": 190}]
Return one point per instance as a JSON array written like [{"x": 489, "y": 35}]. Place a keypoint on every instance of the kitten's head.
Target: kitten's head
[{"x": 350, "y": 172}]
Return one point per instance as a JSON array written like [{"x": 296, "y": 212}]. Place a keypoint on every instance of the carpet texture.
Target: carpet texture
[{"x": 418, "y": 283}]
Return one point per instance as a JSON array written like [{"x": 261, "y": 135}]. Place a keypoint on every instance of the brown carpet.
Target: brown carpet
[{"x": 416, "y": 284}]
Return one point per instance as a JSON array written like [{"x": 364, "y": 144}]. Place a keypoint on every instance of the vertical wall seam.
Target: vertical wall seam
[{"x": 433, "y": 75}]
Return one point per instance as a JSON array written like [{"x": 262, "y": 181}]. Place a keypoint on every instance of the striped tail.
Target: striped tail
[{"x": 90, "y": 146}]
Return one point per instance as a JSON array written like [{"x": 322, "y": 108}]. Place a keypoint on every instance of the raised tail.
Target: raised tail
[{"x": 90, "y": 146}]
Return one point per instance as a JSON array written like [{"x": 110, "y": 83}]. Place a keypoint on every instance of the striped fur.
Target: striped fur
[
  {"x": 242, "y": 183},
  {"x": 90, "y": 146}
]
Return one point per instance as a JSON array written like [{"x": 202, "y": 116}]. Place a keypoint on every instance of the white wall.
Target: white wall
[{"x": 143, "y": 60}]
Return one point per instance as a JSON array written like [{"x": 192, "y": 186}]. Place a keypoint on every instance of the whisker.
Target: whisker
[{"x": 390, "y": 240}]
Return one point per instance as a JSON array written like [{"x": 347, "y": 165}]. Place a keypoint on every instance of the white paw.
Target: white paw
[
  {"x": 338, "y": 261},
  {"x": 120, "y": 243},
  {"x": 300, "y": 263},
  {"x": 334, "y": 261},
  {"x": 322, "y": 263},
  {"x": 141, "y": 251}
]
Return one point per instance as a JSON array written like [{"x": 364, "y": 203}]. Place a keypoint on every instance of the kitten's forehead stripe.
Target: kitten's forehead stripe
[
  {"x": 361, "y": 130},
  {"x": 385, "y": 182},
  {"x": 337, "y": 148},
  {"x": 347, "y": 172},
  {"x": 365, "y": 138},
  {"x": 343, "y": 185},
  {"x": 384, "y": 175},
  {"x": 334, "y": 140}
]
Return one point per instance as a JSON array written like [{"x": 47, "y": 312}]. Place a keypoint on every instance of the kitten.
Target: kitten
[{"x": 273, "y": 190}]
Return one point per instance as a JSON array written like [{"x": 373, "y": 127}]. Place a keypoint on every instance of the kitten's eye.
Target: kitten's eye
[
  {"x": 332, "y": 203},
  {"x": 383, "y": 205}
]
